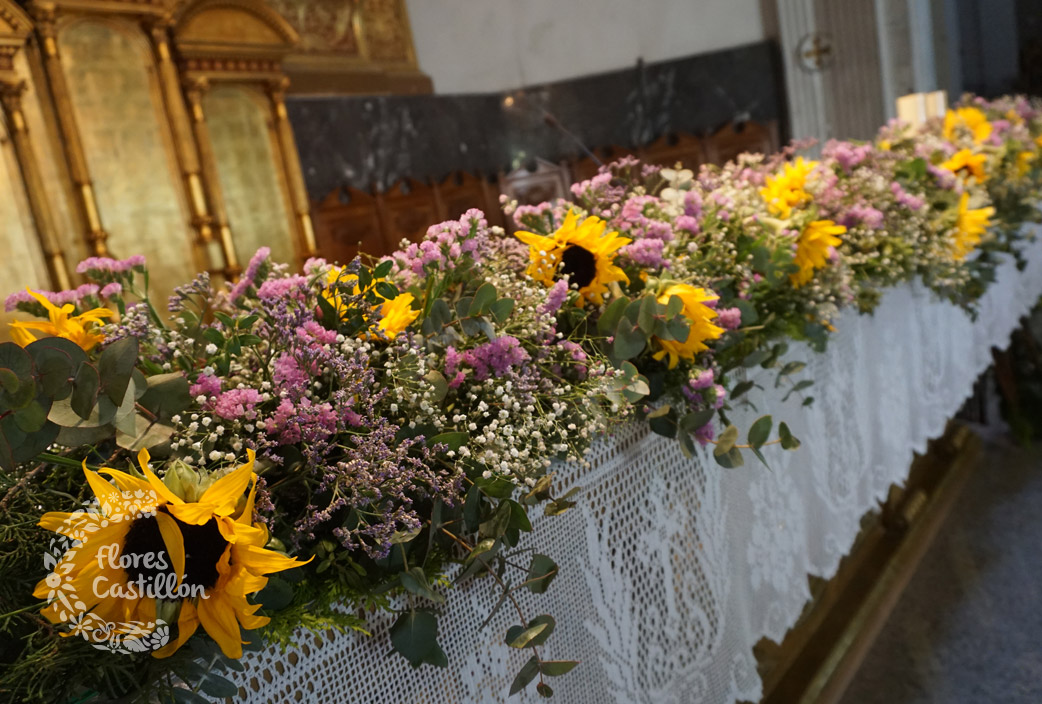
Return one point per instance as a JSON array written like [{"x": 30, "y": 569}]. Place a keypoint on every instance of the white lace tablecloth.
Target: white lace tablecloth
[{"x": 672, "y": 569}]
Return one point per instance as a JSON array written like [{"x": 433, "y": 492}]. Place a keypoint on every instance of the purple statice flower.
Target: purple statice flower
[
  {"x": 249, "y": 276},
  {"x": 112, "y": 290},
  {"x": 494, "y": 358},
  {"x": 206, "y": 384},
  {"x": 534, "y": 216},
  {"x": 704, "y": 380},
  {"x": 633, "y": 208},
  {"x": 847, "y": 154},
  {"x": 21, "y": 297},
  {"x": 556, "y": 295},
  {"x": 237, "y": 403},
  {"x": 945, "y": 178},
  {"x": 659, "y": 230},
  {"x": 692, "y": 204},
  {"x": 905, "y": 198},
  {"x": 200, "y": 286},
  {"x": 861, "y": 214},
  {"x": 646, "y": 253},
  {"x": 721, "y": 395},
  {"x": 279, "y": 288},
  {"x": 574, "y": 350},
  {"x": 705, "y": 434},
  {"x": 597, "y": 190},
  {"x": 303, "y": 421},
  {"x": 313, "y": 333},
  {"x": 689, "y": 223},
  {"x": 288, "y": 374},
  {"x": 444, "y": 247},
  {"x": 649, "y": 170},
  {"x": 730, "y": 318},
  {"x": 95, "y": 266}
]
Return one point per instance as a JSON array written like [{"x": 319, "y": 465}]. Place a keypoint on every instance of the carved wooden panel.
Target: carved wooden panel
[
  {"x": 407, "y": 210},
  {"x": 241, "y": 133},
  {"x": 734, "y": 139},
  {"x": 125, "y": 136},
  {"x": 348, "y": 222},
  {"x": 670, "y": 149},
  {"x": 460, "y": 192}
]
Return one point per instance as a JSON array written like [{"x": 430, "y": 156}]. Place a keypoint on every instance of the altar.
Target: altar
[{"x": 672, "y": 570}]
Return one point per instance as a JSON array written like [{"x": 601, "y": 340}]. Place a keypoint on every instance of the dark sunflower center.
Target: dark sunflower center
[
  {"x": 580, "y": 265},
  {"x": 204, "y": 546}
]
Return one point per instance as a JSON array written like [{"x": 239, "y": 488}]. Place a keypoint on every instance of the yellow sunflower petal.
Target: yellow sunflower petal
[
  {"x": 225, "y": 493},
  {"x": 218, "y": 619},
  {"x": 126, "y": 482},
  {"x": 194, "y": 514},
  {"x": 106, "y": 493},
  {"x": 155, "y": 483},
  {"x": 261, "y": 561},
  {"x": 20, "y": 335},
  {"x": 187, "y": 623},
  {"x": 174, "y": 543},
  {"x": 534, "y": 240}
]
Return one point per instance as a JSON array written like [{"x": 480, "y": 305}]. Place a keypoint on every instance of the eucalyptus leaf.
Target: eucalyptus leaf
[
  {"x": 542, "y": 570},
  {"x": 611, "y": 316},
  {"x": 730, "y": 459},
  {"x": 484, "y": 297},
  {"x": 556, "y": 668},
  {"x": 726, "y": 441},
  {"x": 115, "y": 367},
  {"x": 760, "y": 431},
  {"x": 414, "y": 636},
  {"x": 527, "y": 673}
]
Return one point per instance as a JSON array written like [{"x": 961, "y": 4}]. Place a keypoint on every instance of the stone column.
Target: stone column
[
  {"x": 71, "y": 144},
  {"x": 195, "y": 90},
  {"x": 291, "y": 167},
  {"x": 36, "y": 193}
]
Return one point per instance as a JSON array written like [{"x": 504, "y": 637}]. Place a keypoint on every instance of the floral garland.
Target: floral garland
[{"x": 362, "y": 434}]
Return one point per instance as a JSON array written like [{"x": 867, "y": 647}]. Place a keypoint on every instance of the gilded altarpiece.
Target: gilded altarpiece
[
  {"x": 22, "y": 263},
  {"x": 160, "y": 126},
  {"x": 127, "y": 144},
  {"x": 241, "y": 132}
]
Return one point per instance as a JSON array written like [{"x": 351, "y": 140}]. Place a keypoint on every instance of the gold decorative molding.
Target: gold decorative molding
[{"x": 36, "y": 192}]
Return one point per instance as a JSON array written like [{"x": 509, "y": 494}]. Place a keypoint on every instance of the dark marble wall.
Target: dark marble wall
[{"x": 360, "y": 141}]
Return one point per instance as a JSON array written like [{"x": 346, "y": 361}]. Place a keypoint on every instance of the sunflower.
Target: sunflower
[
  {"x": 147, "y": 546},
  {"x": 965, "y": 163},
  {"x": 77, "y": 328},
  {"x": 812, "y": 249},
  {"x": 580, "y": 251},
  {"x": 1025, "y": 161},
  {"x": 970, "y": 119},
  {"x": 699, "y": 317},
  {"x": 969, "y": 226},
  {"x": 396, "y": 314},
  {"x": 786, "y": 190}
]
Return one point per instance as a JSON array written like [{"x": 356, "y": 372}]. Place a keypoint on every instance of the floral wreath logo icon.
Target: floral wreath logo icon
[{"x": 73, "y": 536}]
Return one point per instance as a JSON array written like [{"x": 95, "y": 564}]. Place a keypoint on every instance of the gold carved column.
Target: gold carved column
[
  {"x": 36, "y": 193},
  {"x": 71, "y": 144},
  {"x": 201, "y": 200},
  {"x": 291, "y": 166},
  {"x": 195, "y": 89}
]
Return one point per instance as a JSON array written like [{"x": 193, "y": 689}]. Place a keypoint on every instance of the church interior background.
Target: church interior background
[{"x": 197, "y": 131}]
